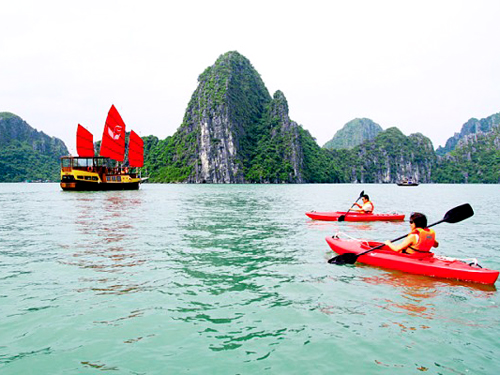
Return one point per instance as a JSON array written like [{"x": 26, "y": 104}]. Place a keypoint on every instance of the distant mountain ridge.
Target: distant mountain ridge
[
  {"x": 27, "y": 154},
  {"x": 475, "y": 159},
  {"x": 473, "y": 126},
  {"x": 234, "y": 131},
  {"x": 390, "y": 157},
  {"x": 354, "y": 133}
]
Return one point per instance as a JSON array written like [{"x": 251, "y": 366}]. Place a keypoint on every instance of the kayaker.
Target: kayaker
[
  {"x": 367, "y": 207},
  {"x": 420, "y": 240}
]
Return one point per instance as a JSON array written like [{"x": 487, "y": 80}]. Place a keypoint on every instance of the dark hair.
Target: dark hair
[
  {"x": 365, "y": 196},
  {"x": 419, "y": 219}
]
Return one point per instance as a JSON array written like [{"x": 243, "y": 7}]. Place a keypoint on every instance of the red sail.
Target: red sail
[
  {"x": 84, "y": 142},
  {"x": 113, "y": 137},
  {"x": 135, "y": 150}
]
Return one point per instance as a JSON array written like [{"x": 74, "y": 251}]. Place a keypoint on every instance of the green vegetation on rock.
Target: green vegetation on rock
[
  {"x": 26, "y": 154},
  {"x": 354, "y": 133},
  {"x": 233, "y": 131},
  {"x": 475, "y": 159}
]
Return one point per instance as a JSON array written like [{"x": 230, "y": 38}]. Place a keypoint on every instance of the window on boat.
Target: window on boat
[
  {"x": 119, "y": 178},
  {"x": 66, "y": 163},
  {"x": 100, "y": 162},
  {"x": 82, "y": 162},
  {"x": 114, "y": 178},
  {"x": 94, "y": 178}
]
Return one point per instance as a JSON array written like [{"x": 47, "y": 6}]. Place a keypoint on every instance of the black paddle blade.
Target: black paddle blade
[
  {"x": 458, "y": 213},
  {"x": 341, "y": 218},
  {"x": 347, "y": 258}
]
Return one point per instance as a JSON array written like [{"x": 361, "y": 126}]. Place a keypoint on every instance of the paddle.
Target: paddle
[
  {"x": 342, "y": 217},
  {"x": 454, "y": 215}
]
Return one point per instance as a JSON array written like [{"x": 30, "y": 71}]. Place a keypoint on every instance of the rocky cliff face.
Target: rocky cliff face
[
  {"x": 473, "y": 126},
  {"x": 27, "y": 154},
  {"x": 232, "y": 132},
  {"x": 475, "y": 159},
  {"x": 392, "y": 156},
  {"x": 354, "y": 133},
  {"x": 13, "y": 128},
  {"x": 216, "y": 134},
  {"x": 278, "y": 156},
  {"x": 288, "y": 131}
]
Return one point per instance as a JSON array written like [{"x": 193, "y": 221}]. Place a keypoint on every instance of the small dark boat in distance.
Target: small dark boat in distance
[{"x": 407, "y": 182}]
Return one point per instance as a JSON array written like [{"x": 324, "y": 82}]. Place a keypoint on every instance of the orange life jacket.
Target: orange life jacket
[{"x": 426, "y": 240}]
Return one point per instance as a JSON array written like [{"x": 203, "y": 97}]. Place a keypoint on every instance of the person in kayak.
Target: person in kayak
[
  {"x": 367, "y": 207},
  {"x": 420, "y": 240}
]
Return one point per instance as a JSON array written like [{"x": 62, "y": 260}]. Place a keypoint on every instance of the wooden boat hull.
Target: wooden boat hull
[
  {"x": 427, "y": 264},
  {"x": 97, "y": 186}
]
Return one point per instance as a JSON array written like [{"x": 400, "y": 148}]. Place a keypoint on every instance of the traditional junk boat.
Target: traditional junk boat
[{"x": 90, "y": 172}]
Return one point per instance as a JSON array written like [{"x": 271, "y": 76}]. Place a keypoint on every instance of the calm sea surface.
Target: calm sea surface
[{"x": 234, "y": 279}]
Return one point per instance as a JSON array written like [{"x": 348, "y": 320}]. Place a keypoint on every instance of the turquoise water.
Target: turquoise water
[{"x": 233, "y": 279}]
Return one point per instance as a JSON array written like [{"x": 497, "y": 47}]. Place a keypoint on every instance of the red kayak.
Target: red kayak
[
  {"x": 426, "y": 264},
  {"x": 354, "y": 216}
]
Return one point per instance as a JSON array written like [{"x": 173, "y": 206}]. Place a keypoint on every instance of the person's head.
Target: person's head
[
  {"x": 365, "y": 198},
  {"x": 419, "y": 220}
]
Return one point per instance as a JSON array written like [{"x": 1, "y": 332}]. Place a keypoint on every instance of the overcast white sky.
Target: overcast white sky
[{"x": 423, "y": 66}]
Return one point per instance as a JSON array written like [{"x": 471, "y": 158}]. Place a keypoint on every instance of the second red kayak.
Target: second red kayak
[
  {"x": 428, "y": 264},
  {"x": 354, "y": 216}
]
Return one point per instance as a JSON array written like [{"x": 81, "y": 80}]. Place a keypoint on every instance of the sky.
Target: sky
[{"x": 422, "y": 66}]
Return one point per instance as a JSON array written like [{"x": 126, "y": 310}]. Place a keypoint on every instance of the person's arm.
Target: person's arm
[
  {"x": 355, "y": 209},
  {"x": 408, "y": 241}
]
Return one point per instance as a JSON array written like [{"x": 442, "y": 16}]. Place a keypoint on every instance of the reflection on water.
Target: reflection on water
[
  {"x": 407, "y": 281},
  {"x": 106, "y": 240},
  {"x": 417, "y": 293}
]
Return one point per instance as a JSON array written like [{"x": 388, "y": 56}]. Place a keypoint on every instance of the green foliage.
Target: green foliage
[
  {"x": 474, "y": 160},
  {"x": 233, "y": 124},
  {"x": 172, "y": 173},
  {"x": 392, "y": 154},
  {"x": 353, "y": 133},
  {"x": 320, "y": 165},
  {"x": 270, "y": 159},
  {"x": 19, "y": 162},
  {"x": 171, "y": 160},
  {"x": 26, "y": 154},
  {"x": 230, "y": 91},
  {"x": 473, "y": 126}
]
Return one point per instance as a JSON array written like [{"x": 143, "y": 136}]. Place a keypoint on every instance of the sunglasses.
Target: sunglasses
[{"x": 411, "y": 221}]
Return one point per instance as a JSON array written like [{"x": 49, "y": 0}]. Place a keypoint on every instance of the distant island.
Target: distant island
[{"x": 234, "y": 131}]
